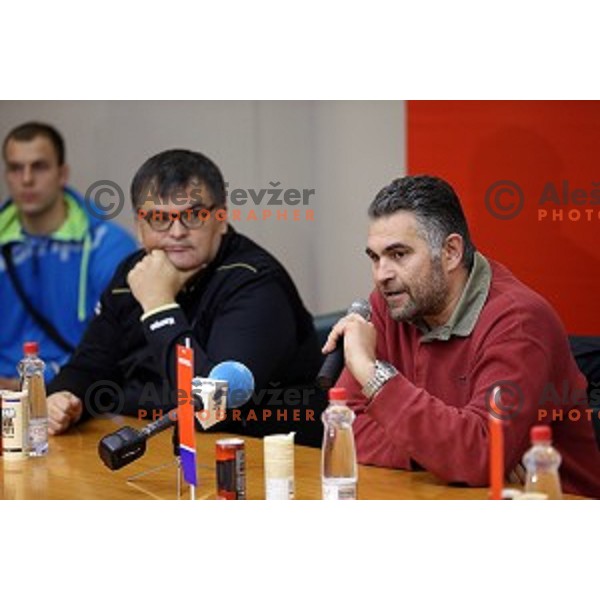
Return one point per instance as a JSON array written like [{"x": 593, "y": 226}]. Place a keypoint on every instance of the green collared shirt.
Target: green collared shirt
[{"x": 465, "y": 315}]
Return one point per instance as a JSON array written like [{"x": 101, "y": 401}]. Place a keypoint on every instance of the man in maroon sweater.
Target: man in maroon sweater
[{"x": 448, "y": 325}]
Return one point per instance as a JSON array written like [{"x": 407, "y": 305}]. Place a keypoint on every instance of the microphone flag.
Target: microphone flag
[{"x": 185, "y": 414}]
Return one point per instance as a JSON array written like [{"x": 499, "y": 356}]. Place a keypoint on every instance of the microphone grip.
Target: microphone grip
[
  {"x": 155, "y": 427},
  {"x": 332, "y": 367}
]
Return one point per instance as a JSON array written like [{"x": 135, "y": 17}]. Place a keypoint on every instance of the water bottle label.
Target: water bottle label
[
  {"x": 38, "y": 432},
  {"x": 337, "y": 491}
]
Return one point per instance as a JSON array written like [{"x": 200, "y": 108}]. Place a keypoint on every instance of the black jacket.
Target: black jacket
[{"x": 243, "y": 307}]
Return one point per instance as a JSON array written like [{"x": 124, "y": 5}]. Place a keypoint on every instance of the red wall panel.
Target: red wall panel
[{"x": 549, "y": 153}]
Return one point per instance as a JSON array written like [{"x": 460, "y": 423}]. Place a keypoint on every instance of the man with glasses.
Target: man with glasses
[{"x": 196, "y": 278}]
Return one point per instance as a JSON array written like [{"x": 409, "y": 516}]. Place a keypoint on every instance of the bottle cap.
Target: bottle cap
[
  {"x": 338, "y": 394},
  {"x": 31, "y": 348},
  {"x": 541, "y": 433}
]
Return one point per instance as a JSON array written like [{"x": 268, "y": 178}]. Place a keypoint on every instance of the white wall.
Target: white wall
[{"x": 345, "y": 150}]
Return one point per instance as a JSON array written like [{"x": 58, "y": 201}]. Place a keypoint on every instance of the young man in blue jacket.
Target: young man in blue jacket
[{"x": 56, "y": 256}]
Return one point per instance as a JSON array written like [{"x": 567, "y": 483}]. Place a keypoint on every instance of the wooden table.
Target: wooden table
[{"x": 73, "y": 470}]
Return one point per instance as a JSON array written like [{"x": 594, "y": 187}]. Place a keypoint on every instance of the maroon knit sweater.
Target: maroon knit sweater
[{"x": 434, "y": 413}]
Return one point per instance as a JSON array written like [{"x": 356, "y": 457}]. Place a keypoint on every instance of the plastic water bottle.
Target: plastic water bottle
[
  {"x": 339, "y": 471},
  {"x": 541, "y": 463},
  {"x": 31, "y": 370}
]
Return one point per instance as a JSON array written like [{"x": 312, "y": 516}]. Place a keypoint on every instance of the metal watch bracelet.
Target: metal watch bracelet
[{"x": 384, "y": 371}]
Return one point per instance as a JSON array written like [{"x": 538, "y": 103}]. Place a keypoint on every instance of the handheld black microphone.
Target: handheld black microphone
[
  {"x": 333, "y": 364},
  {"x": 127, "y": 444}
]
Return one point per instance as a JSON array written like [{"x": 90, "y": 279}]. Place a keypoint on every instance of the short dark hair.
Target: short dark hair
[
  {"x": 31, "y": 130},
  {"x": 435, "y": 205},
  {"x": 173, "y": 170}
]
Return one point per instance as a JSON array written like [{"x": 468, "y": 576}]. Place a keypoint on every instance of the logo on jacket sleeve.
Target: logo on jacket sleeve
[{"x": 166, "y": 322}]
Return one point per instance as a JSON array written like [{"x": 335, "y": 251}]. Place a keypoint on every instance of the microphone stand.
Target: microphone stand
[
  {"x": 175, "y": 442},
  {"x": 131, "y": 480}
]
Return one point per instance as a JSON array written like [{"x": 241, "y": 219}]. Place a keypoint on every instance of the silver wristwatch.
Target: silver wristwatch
[{"x": 383, "y": 373}]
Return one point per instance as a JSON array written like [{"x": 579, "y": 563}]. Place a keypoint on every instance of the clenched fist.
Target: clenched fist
[
  {"x": 64, "y": 410},
  {"x": 154, "y": 281}
]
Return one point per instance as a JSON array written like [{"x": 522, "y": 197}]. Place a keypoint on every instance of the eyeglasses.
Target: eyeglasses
[{"x": 191, "y": 218}]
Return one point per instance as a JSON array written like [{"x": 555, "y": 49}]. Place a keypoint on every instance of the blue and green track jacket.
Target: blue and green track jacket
[{"x": 63, "y": 275}]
